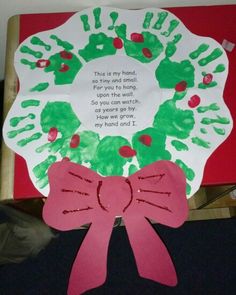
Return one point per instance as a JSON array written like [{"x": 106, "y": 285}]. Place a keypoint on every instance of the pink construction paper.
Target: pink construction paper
[{"x": 79, "y": 195}]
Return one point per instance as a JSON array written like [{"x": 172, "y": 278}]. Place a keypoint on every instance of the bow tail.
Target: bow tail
[
  {"x": 152, "y": 258},
  {"x": 90, "y": 266}
]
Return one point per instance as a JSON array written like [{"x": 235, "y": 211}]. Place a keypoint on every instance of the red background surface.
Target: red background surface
[{"x": 217, "y": 22}]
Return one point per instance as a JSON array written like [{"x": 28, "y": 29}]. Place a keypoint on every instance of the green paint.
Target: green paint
[
  {"x": 135, "y": 49},
  {"x": 205, "y": 86},
  {"x": 37, "y": 41},
  {"x": 99, "y": 45},
  {"x": 132, "y": 169},
  {"x": 155, "y": 152},
  {"x": 188, "y": 189},
  {"x": 40, "y": 171},
  {"x": 171, "y": 48},
  {"x": 113, "y": 16},
  {"x": 26, "y": 49},
  {"x": 217, "y": 52},
  {"x": 161, "y": 18},
  {"x": 189, "y": 173},
  {"x": 203, "y": 131},
  {"x": 41, "y": 168},
  {"x": 42, "y": 182},
  {"x": 27, "y": 62},
  {"x": 72, "y": 153},
  {"x": 107, "y": 160},
  {"x": 52, "y": 147},
  {"x": 56, "y": 64},
  {"x": 57, "y": 115},
  {"x": 172, "y": 121},
  {"x": 196, "y": 53},
  {"x": 40, "y": 87},
  {"x": 201, "y": 142},
  {"x": 16, "y": 120},
  {"x": 84, "y": 19},
  {"x": 25, "y": 141},
  {"x": 173, "y": 25},
  {"x": 96, "y": 14},
  {"x": 88, "y": 145},
  {"x": 14, "y": 133},
  {"x": 30, "y": 103},
  {"x": 147, "y": 20},
  {"x": 179, "y": 95},
  {"x": 121, "y": 31},
  {"x": 66, "y": 45},
  {"x": 177, "y": 38},
  {"x": 220, "y": 131},
  {"x": 219, "y": 120},
  {"x": 211, "y": 107},
  {"x": 169, "y": 73},
  {"x": 179, "y": 146},
  {"x": 85, "y": 151},
  {"x": 219, "y": 68}
]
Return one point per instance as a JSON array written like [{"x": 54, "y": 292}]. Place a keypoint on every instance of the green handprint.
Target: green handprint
[{"x": 64, "y": 64}]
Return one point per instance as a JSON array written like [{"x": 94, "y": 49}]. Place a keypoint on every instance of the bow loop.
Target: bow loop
[
  {"x": 72, "y": 198},
  {"x": 160, "y": 193}
]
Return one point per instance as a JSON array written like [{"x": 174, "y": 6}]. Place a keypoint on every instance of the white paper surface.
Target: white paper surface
[{"x": 164, "y": 100}]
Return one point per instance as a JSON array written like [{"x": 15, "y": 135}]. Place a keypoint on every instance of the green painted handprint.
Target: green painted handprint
[{"x": 185, "y": 114}]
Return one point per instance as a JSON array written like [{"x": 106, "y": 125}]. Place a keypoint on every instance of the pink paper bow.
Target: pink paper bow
[{"x": 79, "y": 196}]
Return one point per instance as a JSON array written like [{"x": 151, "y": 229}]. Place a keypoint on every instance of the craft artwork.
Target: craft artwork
[{"x": 117, "y": 114}]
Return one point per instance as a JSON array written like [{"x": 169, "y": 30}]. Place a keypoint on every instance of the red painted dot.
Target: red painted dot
[
  {"x": 66, "y": 159},
  {"x": 64, "y": 68},
  {"x": 52, "y": 134},
  {"x": 147, "y": 53},
  {"x": 136, "y": 37},
  {"x": 181, "y": 86},
  {"x": 42, "y": 63},
  {"x": 66, "y": 55},
  {"x": 75, "y": 141},
  {"x": 194, "y": 101},
  {"x": 117, "y": 43},
  {"x": 146, "y": 139},
  {"x": 207, "y": 79},
  {"x": 126, "y": 151}
]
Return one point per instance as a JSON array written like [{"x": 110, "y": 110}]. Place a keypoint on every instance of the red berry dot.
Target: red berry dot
[
  {"x": 64, "y": 68},
  {"x": 42, "y": 63},
  {"x": 75, "y": 141},
  {"x": 181, "y": 86},
  {"x": 145, "y": 139},
  {"x": 66, "y": 159},
  {"x": 126, "y": 151},
  {"x": 207, "y": 79},
  {"x": 194, "y": 101},
  {"x": 52, "y": 134},
  {"x": 117, "y": 43},
  {"x": 147, "y": 53},
  {"x": 66, "y": 55},
  {"x": 136, "y": 37}
]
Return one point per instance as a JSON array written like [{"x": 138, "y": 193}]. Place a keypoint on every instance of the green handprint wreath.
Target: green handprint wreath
[{"x": 190, "y": 119}]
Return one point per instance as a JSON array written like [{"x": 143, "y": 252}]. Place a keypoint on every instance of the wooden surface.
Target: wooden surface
[
  {"x": 10, "y": 91},
  {"x": 224, "y": 207}
]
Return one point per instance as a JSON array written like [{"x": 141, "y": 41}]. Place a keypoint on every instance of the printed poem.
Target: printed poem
[
  {"x": 114, "y": 101},
  {"x": 115, "y": 96}
]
